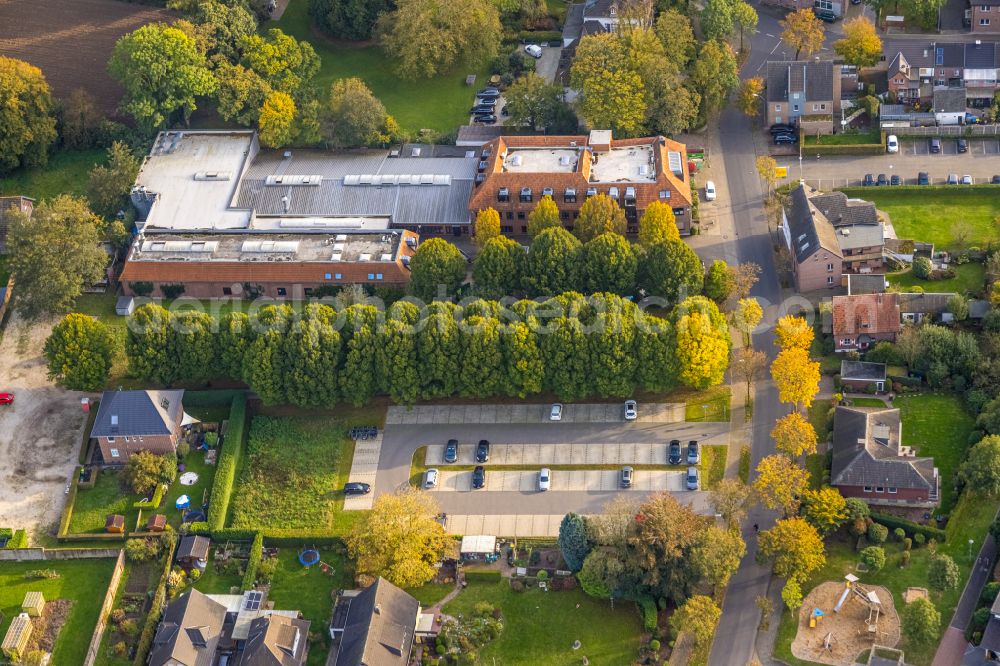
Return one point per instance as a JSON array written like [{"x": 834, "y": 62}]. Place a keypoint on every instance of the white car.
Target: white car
[
  {"x": 892, "y": 144},
  {"x": 967, "y": 180},
  {"x": 534, "y": 50},
  {"x": 555, "y": 414},
  {"x": 709, "y": 191},
  {"x": 544, "y": 478},
  {"x": 430, "y": 478},
  {"x": 631, "y": 410}
]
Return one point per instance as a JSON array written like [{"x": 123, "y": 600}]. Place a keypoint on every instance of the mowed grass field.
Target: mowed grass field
[
  {"x": 441, "y": 103},
  {"x": 969, "y": 279},
  {"x": 929, "y": 213}
]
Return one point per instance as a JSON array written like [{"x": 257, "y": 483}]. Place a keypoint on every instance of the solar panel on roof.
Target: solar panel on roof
[{"x": 253, "y": 601}]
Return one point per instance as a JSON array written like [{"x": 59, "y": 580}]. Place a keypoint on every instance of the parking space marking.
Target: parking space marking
[
  {"x": 642, "y": 453},
  {"x": 531, "y": 413},
  {"x": 364, "y": 466},
  {"x": 577, "y": 480}
]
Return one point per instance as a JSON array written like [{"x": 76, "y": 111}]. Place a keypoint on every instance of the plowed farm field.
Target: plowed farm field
[{"x": 71, "y": 41}]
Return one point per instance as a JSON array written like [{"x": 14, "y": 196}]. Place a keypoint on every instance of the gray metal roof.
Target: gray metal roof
[
  {"x": 136, "y": 413},
  {"x": 379, "y": 627},
  {"x": 193, "y": 546},
  {"x": 866, "y": 451},
  {"x": 949, "y": 100},
  {"x": 862, "y": 371},
  {"x": 445, "y": 204},
  {"x": 807, "y": 227},
  {"x": 857, "y": 236},
  {"x": 980, "y": 56},
  {"x": 872, "y": 283}
]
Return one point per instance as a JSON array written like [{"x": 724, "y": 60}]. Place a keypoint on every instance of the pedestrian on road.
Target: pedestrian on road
[{"x": 756, "y": 527}]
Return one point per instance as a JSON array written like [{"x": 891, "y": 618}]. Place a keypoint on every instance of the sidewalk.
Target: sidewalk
[{"x": 952, "y": 646}]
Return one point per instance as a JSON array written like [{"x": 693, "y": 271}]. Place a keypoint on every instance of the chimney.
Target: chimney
[{"x": 285, "y": 202}]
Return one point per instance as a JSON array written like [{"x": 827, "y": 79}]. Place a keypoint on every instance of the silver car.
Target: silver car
[
  {"x": 692, "y": 478},
  {"x": 544, "y": 478},
  {"x": 430, "y": 478},
  {"x": 555, "y": 414},
  {"x": 631, "y": 410}
]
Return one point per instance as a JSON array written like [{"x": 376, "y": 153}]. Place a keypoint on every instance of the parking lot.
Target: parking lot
[
  {"x": 921, "y": 146},
  {"x": 526, "y": 481},
  {"x": 528, "y": 413},
  {"x": 624, "y": 453}
]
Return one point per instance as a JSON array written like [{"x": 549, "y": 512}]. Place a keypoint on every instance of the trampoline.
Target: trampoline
[
  {"x": 182, "y": 502},
  {"x": 194, "y": 516},
  {"x": 189, "y": 478},
  {"x": 309, "y": 557}
]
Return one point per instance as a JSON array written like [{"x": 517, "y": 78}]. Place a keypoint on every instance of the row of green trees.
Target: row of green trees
[{"x": 570, "y": 345}]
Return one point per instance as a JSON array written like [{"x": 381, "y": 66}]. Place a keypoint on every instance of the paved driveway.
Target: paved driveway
[
  {"x": 625, "y": 453},
  {"x": 532, "y": 413},
  {"x": 547, "y": 66},
  {"x": 562, "y": 480}
]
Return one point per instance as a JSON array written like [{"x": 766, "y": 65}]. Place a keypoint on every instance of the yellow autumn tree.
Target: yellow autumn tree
[
  {"x": 825, "y": 509},
  {"x": 703, "y": 343},
  {"x": 794, "y": 436},
  {"x": 487, "y": 226},
  {"x": 657, "y": 224},
  {"x": 747, "y": 316},
  {"x": 277, "y": 120},
  {"x": 792, "y": 331},
  {"x": 796, "y": 376},
  {"x": 544, "y": 215},
  {"x": 794, "y": 547},
  {"x": 780, "y": 483}
]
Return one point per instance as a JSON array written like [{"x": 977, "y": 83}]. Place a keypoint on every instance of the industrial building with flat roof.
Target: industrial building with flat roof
[
  {"x": 222, "y": 217},
  {"x": 515, "y": 172}
]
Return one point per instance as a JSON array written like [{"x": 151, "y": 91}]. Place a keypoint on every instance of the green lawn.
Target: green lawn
[
  {"x": 290, "y": 475},
  {"x": 912, "y": 211},
  {"x": 815, "y": 465},
  {"x": 93, "y": 505},
  {"x": 938, "y": 426},
  {"x": 431, "y": 593},
  {"x": 66, "y": 173},
  {"x": 310, "y": 590},
  {"x": 867, "y": 402},
  {"x": 85, "y": 582},
  {"x": 713, "y": 465},
  {"x": 969, "y": 279},
  {"x": 710, "y": 405},
  {"x": 844, "y": 139},
  {"x": 818, "y": 417},
  {"x": 540, "y": 627},
  {"x": 441, "y": 103},
  {"x": 214, "y": 581}
]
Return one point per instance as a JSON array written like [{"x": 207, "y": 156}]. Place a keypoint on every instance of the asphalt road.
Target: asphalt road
[{"x": 400, "y": 442}]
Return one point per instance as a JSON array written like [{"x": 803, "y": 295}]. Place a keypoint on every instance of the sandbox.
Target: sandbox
[{"x": 848, "y": 630}]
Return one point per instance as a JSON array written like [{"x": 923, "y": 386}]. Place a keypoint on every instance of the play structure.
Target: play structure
[
  {"x": 838, "y": 621},
  {"x": 309, "y": 556}
]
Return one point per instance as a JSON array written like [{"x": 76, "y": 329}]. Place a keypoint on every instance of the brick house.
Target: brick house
[
  {"x": 984, "y": 16},
  {"x": 517, "y": 171},
  {"x": 861, "y": 320},
  {"x": 870, "y": 462},
  {"x": 131, "y": 421},
  {"x": 7, "y": 206},
  {"x": 817, "y": 261},
  {"x": 804, "y": 92},
  {"x": 860, "y": 236}
]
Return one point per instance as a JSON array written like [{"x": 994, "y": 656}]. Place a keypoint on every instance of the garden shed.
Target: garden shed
[
  {"x": 193, "y": 551},
  {"x": 478, "y": 547},
  {"x": 156, "y": 523},
  {"x": 15, "y": 642},
  {"x": 115, "y": 524},
  {"x": 34, "y": 604}
]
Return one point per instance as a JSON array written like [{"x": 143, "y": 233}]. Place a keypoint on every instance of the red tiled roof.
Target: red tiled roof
[{"x": 872, "y": 314}]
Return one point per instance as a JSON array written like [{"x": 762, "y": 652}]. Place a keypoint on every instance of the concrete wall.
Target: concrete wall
[{"x": 102, "y": 617}]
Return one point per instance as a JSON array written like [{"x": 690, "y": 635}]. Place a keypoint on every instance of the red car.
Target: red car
[{"x": 6, "y": 398}]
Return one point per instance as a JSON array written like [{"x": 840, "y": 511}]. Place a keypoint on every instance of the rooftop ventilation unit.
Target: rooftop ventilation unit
[
  {"x": 213, "y": 175},
  {"x": 293, "y": 181},
  {"x": 386, "y": 257},
  {"x": 393, "y": 153},
  {"x": 515, "y": 160},
  {"x": 336, "y": 256},
  {"x": 415, "y": 151},
  {"x": 364, "y": 257},
  {"x": 338, "y": 247},
  {"x": 564, "y": 161},
  {"x": 179, "y": 247},
  {"x": 341, "y": 237},
  {"x": 264, "y": 247}
]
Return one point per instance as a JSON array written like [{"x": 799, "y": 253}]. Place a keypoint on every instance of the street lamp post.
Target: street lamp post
[{"x": 970, "y": 549}]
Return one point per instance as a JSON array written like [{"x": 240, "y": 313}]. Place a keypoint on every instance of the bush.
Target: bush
[
  {"x": 922, "y": 268},
  {"x": 989, "y": 593},
  {"x": 120, "y": 648},
  {"x": 899, "y": 533},
  {"x": 517, "y": 586},
  {"x": 172, "y": 291},
  {"x": 540, "y": 36},
  {"x": 154, "y": 501},
  {"x": 129, "y": 627},
  {"x": 877, "y": 533},
  {"x": 256, "y": 552},
  {"x": 654, "y": 645},
  {"x": 907, "y": 543},
  {"x": 141, "y": 288},
  {"x": 19, "y": 540},
  {"x": 647, "y": 606},
  {"x": 943, "y": 573},
  {"x": 117, "y": 615},
  {"x": 40, "y": 574},
  {"x": 225, "y": 473},
  {"x": 265, "y": 572},
  {"x": 904, "y": 558},
  {"x": 873, "y": 557},
  {"x": 141, "y": 550},
  {"x": 183, "y": 449},
  {"x": 919, "y": 538},
  {"x": 909, "y": 527}
]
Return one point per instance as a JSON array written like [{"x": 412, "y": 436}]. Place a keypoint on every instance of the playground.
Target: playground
[{"x": 839, "y": 620}]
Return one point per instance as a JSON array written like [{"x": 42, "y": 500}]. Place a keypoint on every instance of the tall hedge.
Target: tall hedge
[
  {"x": 911, "y": 528},
  {"x": 228, "y": 464},
  {"x": 253, "y": 562},
  {"x": 156, "y": 609}
]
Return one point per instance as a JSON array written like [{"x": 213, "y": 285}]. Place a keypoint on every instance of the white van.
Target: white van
[{"x": 892, "y": 144}]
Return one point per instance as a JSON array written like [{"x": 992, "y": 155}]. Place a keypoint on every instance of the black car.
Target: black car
[
  {"x": 935, "y": 145},
  {"x": 963, "y": 146},
  {"x": 882, "y": 180},
  {"x": 780, "y": 139},
  {"x": 357, "y": 489},
  {"x": 504, "y": 111},
  {"x": 483, "y": 451},
  {"x": 479, "y": 477},
  {"x": 674, "y": 452},
  {"x": 451, "y": 451},
  {"x": 868, "y": 180},
  {"x": 923, "y": 178},
  {"x": 995, "y": 180},
  {"x": 895, "y": 180},
  {"x": 483, "y": 108},
  {"x": 487, "y": 99},
  {"x": 487, "y": 119},
  {"x": 781, "y": 128}
]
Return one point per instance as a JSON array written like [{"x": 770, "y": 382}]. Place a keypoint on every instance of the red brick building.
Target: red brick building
[
  {"x": 131, "y": 421},
  {"x": 515, "y": 172}
]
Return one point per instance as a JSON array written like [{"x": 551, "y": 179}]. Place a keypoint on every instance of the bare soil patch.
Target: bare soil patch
[
  {"x": 914, "y": 593},
  {"x": 40, "y": 434},
  {"x": 848, "y": 629},
  {"x": 46, "y": 628},
  {"x": 71, "y": 41}
]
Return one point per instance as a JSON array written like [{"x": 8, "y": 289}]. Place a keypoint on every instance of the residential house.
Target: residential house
[
  {"x": 8, "y": 206},
  {"x": 863, "y": 376},
  {"x": 239, "y": 629},
  {"x": 376, "y": 626},
  {"x": 804, "y": 92},
  {"x": 988, "y": 652},
  {"x": 910, "y": 74},
  {"x": 593, "y": 17},
  {"x": 131, "y": 421},
  {"x": 949, "y": 106},
  {"x": 980, "y": 73},
  {"x": 871, "y": 463},
  {"x": 914, "y": 308},
  {"x": 515, "y": 172},
  {"x": 859, "y": 234},
  {"x": 192, "y": 551},
  {"x": 189, "y": 631},
  {"x": 817, "y": 261},
  {"x": 917, "y": 71},
  {"x": 862, "y": 320},
  {"x": 984, "y": 16}
]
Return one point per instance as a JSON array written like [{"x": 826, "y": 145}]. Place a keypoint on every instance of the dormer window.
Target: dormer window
[
  {"x": 503, "y": 195},
  {"x": 613, "y": 192},
  {"x": 525, "y": 195},
  {"x": 546, "y": 191},
  {"x": 591, "y": 191},
  {"x": 570, "y": 195}
]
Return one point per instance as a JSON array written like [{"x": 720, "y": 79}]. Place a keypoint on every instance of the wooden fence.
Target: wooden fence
[{"x": 102, "y": 616}]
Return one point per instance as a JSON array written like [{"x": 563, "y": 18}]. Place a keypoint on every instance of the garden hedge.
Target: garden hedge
[
  {"x": 481, "y": 575},
  {"x": 228, "y": 463},
  {"x": 155, "y": 610},
  {"x": 256, "y": 553},
  {"x": 647, "y": 606},
  {"x": 844, "y": 149},
  {"x": 540, "y": 36},
  {"x": 154, "y": 502},
  {"x": 911, "y": 528},
  {"x": 19, "y": 540}
]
